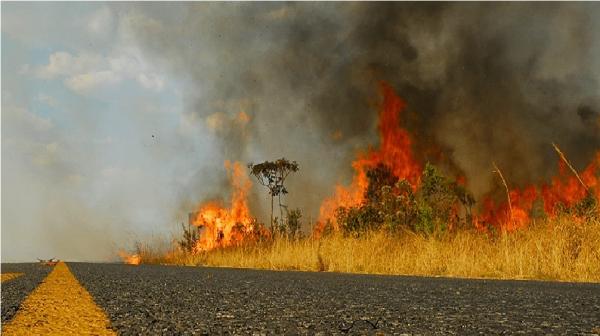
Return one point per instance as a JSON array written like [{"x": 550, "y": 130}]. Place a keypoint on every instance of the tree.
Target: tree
[{"x": 272, "y": 175}]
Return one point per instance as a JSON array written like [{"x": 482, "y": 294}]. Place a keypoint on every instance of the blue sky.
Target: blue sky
[{"x": 90, "y": 134}]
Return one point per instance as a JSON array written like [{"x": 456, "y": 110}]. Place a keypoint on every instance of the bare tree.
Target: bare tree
[{"x": 272, "y": 175}]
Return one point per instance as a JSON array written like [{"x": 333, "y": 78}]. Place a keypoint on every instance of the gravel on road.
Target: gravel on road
[{"x": 195, "y": 300}]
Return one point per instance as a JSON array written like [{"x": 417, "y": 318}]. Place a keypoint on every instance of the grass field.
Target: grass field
[{"x": 558, "y": 249}]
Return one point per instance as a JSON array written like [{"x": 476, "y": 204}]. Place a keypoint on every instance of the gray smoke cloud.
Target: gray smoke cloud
[{"x": 483, "y": 82}]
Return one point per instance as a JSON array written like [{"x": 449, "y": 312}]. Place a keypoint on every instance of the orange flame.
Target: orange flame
[
  {"x": 131, "y": 259},
  {"x": 395, "y": 152},
  {"x": 564, "y": 190},
  {"x": 223, "y": 226},
  {"x": 499, "y": 215}
]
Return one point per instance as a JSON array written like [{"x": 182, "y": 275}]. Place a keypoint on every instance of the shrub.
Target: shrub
[
  {"x": 293, "y": 223},
  {"x": 189, "y": 239},
  {"x": 394, "y": 204}
]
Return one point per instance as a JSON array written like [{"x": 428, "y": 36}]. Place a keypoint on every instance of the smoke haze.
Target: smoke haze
[
  {"x": 483, "y": 82},
  {"x": 258, "y": 81}
]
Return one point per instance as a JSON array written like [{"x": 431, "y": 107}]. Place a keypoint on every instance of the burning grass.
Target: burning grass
[
  {"x": 403, "y": 216},
  {"x": 556, "y": 249}
]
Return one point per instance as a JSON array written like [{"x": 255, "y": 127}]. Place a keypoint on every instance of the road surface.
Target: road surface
[{"x": 173, "y": 300}]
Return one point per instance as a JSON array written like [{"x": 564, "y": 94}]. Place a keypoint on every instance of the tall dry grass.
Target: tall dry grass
[{"x": 559, "y": 249}]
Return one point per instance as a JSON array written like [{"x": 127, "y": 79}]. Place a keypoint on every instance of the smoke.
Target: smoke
[
  {"x": 483, "y": 82},
  {"x": 63, "y": 197},
  {"x": 88, "y": 159},
  {"x": 43, "y": 217}
]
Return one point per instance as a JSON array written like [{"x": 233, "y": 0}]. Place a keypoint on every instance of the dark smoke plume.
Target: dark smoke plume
[{"x": 483, "y": 82}]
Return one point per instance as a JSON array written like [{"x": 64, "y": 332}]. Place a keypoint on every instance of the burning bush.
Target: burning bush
[
  {"x": 222, "y": 226},
  {"x": 439, "y": 204},
  {"x": 391, "y": 190},
  {"x": 389, "y": 203}
]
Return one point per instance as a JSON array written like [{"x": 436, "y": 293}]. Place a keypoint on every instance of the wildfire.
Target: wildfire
[
  {"x": 565, "y": 189},
  {"x": 223, "y": 226},
  {"x": 395, "y": 152},
  {"x": 131, "y": 259},
  {"x": 501, "y": 216}
]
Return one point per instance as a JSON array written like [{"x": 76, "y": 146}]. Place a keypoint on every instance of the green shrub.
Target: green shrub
[{"x": 394, "y": 204}]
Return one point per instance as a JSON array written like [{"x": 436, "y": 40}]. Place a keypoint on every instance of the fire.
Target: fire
[
  {"x": 223, "y": 226},
  {"x": 131, "y": 259},
  {"x": 565, "y": 190},
  {"x": 500, "y": 215},
  {"x": 395, "y": 151}
]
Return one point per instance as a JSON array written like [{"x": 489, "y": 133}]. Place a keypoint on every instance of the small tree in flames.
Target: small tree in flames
[{"x": 272, "y": 175}]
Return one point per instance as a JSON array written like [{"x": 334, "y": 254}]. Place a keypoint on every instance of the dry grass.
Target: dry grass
[{"x": 555, "y": 250}]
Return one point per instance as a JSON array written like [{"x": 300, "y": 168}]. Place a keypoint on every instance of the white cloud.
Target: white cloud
[
  {"x": 63, "y": 64},
  {"x": 126, "y": 64},
  {"x": 89, "y": 69},
  {"x": 86, "y": 72},
  {"x": 86, "y": 82},
  {"x": 131, "y": 64}
]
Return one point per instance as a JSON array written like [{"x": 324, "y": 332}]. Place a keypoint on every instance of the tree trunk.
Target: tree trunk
[{"x": 271, "y": 213}]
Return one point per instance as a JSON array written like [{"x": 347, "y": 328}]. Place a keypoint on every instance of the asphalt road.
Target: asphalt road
[
  {"x": 15, "y": 291},
  {"x": 184, "y": 300}
]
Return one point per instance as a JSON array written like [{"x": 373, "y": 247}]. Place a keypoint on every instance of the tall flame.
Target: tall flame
[
  {"x": 222, "y": 226},
  {"x": 394, "y": 151}
]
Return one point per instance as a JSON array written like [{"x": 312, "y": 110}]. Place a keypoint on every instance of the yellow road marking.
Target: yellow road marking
[
  {"x": 59, "y": 306},
  {"x": 9, "y": 276}
]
